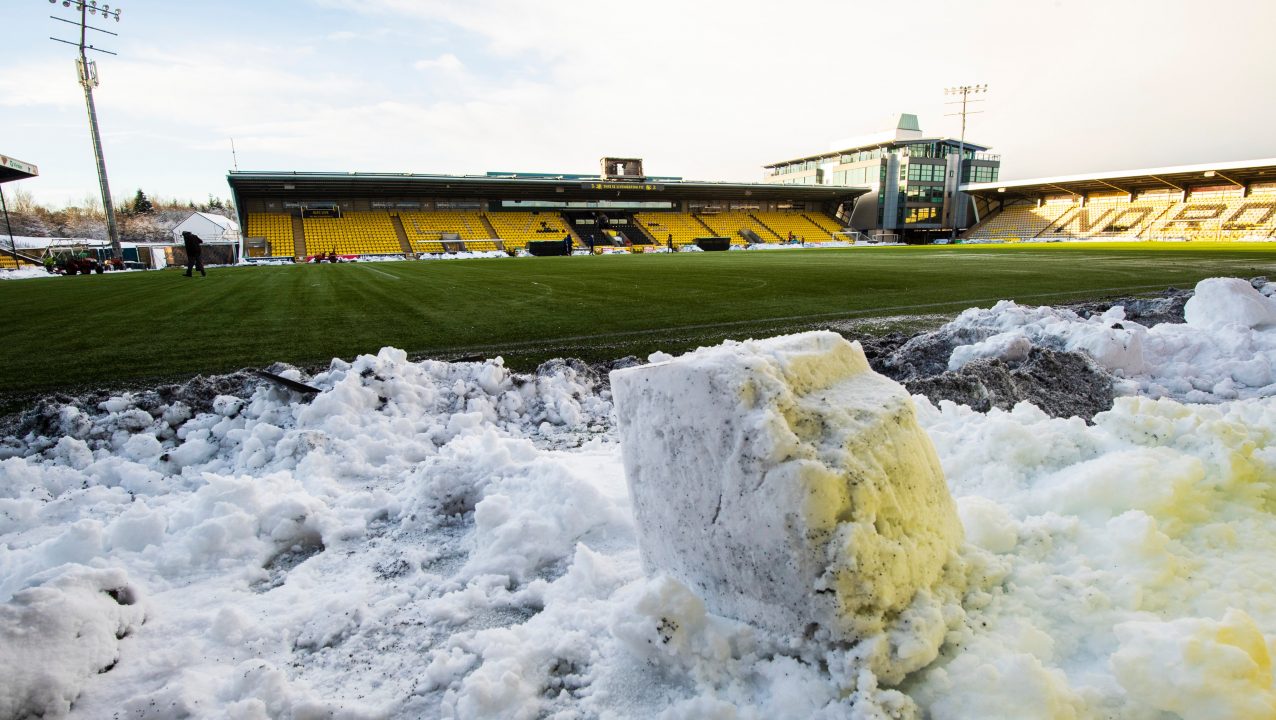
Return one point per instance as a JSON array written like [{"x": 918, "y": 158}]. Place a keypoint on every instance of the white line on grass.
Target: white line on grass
[{"x": 381, "y": 272}]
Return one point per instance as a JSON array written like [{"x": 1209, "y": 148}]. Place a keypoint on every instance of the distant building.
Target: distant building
[
  {"x": 912, "y": 180},
  {"x": 212, "y": 229}
]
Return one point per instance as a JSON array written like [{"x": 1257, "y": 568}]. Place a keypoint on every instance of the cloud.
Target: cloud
[
  {"x": 709, "y": 90},
  {"x": 446, "y": 62}
]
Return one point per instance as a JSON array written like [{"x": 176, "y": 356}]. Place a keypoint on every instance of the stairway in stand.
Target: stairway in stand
[
  {"x": 298, "y": 237},
  {"x": 711, "y": 232},
  {"x": 768, "y": 228},
  {"x": 401, "y": 233}
]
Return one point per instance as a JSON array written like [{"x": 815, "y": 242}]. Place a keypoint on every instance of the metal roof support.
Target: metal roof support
[
  {"x": 1129, "y": 195},
  {"x": 1244, "y": 190},
  {"x": 1064, "y": 189},
  {"x": 1182, "y": 190}
]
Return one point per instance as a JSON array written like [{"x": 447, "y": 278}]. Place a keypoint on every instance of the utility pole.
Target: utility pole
[
  {"x": 965, "y": 91},
  {"x": 87, "y": 71}
]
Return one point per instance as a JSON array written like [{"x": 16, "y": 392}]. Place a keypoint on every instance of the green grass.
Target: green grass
[{"x": 114, "y": 331}]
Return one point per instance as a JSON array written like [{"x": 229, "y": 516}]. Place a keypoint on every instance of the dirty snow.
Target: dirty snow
[{"x": 456, "y": 541}]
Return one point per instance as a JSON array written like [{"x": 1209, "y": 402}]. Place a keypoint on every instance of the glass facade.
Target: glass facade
[
  {"x": 925, "y": 193},
  {"x": 980, "y": 173},
  {"x": 926, "y": 172},
  {"x": 921, "y": 215}
]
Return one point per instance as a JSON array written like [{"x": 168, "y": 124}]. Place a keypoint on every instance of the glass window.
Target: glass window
[{"x": 921, "y": 215}]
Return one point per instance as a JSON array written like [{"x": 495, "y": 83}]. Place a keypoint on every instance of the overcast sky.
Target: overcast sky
[{"x": 702, "y": 90}]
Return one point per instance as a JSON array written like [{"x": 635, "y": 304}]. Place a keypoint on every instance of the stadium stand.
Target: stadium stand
[
  {"x": 803, "y": 228},
  {"x": 516, "y": 229},
  {"x": 276, "y": 228},
  {"x": 354, "y": 233},
  {"x": 1109, "y": 218},
  {"x": 1219, "y": 219},
  {"x": 1225, "y": 218},
  {"x": 1216, "y": 202},
  {"x": 682, "y": 226},
  {"x": 824, "y": 221},
  {"x": 431, "y": 226},
  {"x": 1020, "y": 222},
  {"x": 729, "y": 224}
]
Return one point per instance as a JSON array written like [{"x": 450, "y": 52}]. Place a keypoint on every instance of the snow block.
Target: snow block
[{"x": 786, "y": 482}]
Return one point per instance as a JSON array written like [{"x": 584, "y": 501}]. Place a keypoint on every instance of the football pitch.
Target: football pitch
[{"x": 131, "y": 329}]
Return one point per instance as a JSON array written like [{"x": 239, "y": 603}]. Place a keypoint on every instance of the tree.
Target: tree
[{"x": 141, "y": 204}]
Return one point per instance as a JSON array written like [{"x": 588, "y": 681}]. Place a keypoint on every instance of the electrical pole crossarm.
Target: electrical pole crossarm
[{"x": 86, "y": 71}]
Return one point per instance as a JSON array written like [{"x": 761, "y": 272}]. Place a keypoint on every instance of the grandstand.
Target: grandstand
[
  {"x": 12, "y": 169},
  {"x": 289, "y": 214},
  {"x": 1217, "y": 202},
  {"x": 276, "y": 230}
]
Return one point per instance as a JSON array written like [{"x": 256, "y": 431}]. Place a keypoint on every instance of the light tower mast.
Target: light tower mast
[
  {"x": 965, "y": 91},
  {"x": 87, "y": 71}
]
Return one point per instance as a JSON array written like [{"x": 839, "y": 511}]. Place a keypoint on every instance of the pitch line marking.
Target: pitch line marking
[{"x": 382, "y": 272}]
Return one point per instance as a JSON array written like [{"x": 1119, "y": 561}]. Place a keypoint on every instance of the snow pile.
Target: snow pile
[
  {"x": 1226, "y": 349},
  {"x": 24, "y": 273},
  {"x": 796, "y": 246},
  {"x": 1130, "y": 562},
  {"x": 786, "y": 483},
  {"x": 58, "y": 634},
  {"x": 465, "y": 255},
  {"x": 434, "y": 540},
  {"x": 1198, "y": 667}
]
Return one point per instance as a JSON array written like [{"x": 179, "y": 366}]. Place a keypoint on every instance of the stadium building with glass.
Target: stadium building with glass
[{"x": 911, "y": 181}]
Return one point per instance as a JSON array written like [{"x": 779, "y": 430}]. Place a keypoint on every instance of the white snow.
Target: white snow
[
  {"x": 433, "y": 540},
  {"x": 1223, "y": 352},
  {"x": 24, "y": 273},
  {"x": 785, "y": 483}
]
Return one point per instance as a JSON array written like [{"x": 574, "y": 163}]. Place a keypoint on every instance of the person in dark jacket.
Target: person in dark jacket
[{"x": 194, "y": 253}]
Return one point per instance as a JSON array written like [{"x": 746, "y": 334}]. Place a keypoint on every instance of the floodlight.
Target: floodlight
[{"x": 89, "y": 80}]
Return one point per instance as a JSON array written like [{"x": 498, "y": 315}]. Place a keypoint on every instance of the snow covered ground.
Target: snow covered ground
[
  {"x": 454, "y": 540},
  {"x": 24, "y": 273}
]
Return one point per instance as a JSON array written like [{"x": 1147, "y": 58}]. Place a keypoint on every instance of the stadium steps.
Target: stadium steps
[
  {"x": 766, "y": 227},
  {"x": 977, "y": 227},
  {"x": 636, "y": 234},
  {"x": 401, "y": 233},
  {"x": 487, "y": 225},
  {"x": 705, "y": 225},
  {"x": 818, "y": 228},
  {"x": 824, "y": 228},
  {"x": 298, "y": 237},
  {"x": 1061, "y": 222},
  {"x": 577, "y": 240}
]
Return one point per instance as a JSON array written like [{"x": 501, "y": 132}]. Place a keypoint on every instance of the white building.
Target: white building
[{"x": 210, "y": 228}]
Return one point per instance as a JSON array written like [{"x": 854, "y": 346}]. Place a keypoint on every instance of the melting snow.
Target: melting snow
[{"x": 455, "y": 540}]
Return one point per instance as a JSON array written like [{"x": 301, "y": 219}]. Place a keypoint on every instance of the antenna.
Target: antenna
[
  {"x": 86, "y": 72},
  {"x": 233, "y": 157},
  {"x": 965, "y": 91}
]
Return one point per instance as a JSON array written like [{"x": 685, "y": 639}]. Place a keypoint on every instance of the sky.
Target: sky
[{"x": 700, "y": 89}]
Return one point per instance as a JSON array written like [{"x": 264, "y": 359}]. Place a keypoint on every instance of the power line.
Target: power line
[{"x": 86, "y": 70}]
